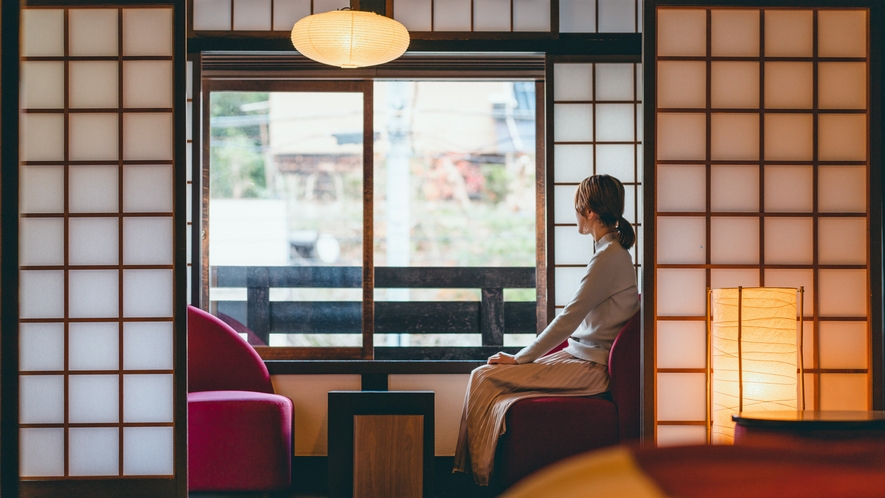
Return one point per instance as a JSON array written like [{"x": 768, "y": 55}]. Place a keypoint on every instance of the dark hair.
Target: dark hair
[{"x": 604, "y": 195}]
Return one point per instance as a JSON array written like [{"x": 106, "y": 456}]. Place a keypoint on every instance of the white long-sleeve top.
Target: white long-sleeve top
[{"x": 606, "y": 298}]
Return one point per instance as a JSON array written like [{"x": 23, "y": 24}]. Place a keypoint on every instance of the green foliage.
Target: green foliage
[{"x": 236, "y": 146}]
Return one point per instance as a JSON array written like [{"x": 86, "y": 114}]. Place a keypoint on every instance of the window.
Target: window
[{"x": 418, "y": 245}]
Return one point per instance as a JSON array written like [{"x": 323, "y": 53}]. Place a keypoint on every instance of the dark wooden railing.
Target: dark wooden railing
[{"x": 491, "y": 317}]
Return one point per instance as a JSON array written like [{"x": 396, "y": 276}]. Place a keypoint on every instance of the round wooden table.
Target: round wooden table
[{"x": 816, "y": 424}]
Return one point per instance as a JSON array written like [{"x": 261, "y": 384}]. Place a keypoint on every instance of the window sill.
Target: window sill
[{"x": 364, "y": 367}]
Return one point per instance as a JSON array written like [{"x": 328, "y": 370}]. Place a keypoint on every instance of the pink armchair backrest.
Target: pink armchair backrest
[
  {"x": 218, "y": 359},
  {"x": 623, "y": 372}
]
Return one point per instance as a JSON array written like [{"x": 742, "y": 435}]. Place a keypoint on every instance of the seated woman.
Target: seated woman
[{"x": 606, "y": 298}]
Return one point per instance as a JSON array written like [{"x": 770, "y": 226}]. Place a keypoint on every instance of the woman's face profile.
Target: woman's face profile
[{"x": 583, "y": 222}]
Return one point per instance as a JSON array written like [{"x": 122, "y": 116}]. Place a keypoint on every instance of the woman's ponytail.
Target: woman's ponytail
[{"x": 626, "y": 235}]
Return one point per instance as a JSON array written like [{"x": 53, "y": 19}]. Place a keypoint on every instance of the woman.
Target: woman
[{"x": 606, "y": 298}]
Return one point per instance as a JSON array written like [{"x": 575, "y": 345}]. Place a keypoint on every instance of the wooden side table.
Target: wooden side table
[{"x": 814, "y": 424}]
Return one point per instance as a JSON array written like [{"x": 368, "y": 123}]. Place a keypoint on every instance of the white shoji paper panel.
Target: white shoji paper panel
[
  {"x": 93, "y": 294},
  {"x": 788, "y": 137},
  {"x": 734, "y": 188},
  {"x": 571, "y": 247},
  {"x": 629, "y": 201},
  {"x": 682, "y": 396},
  {"x": 41, "y": 399},
  {"x": 681, "y": 435},
  {"x": 416, "y": 15},
  {"x": 842, "y": 241},
  {"x": 843, "y": 292},
  {"x": 147, "y": 241},
  {"x": 320, "y": 6},
  {"x": 614, "y": 82},
  {"x": 41, "y": 346},
  {"x": 93, "y": 84},
  {"x": 564, "y": 204},
  {"x": 844, "y": 392},
  {"x": 616, "y": 16},
  {"x": 681, "y": 188},
  {"x": 451, "y": 15},
  {"x": 720, "y": 279},
  {"x": 681, "y": 240},
  {"x": 147, "y": 398},
  {"x": 843, "y": 344},
  {"x": 41, "y": 294},
  {"x": 789, "y": 85},
  {"x": 577, "y": 16},
  {"x": 147, "y": 32},
  {"x": 42, "y": 85},
  {"x": 252, "y": 15},
  {"x": 842, "y": 85},
  {"x": 573, "y": 82},
  {"x": 842, "y": 189},
  {"x": 572, "y": 122},
  {"x": 789, "y": 241},
  {"x": 842, "y": 33},
  {"x": 733, "y": 85},
  {"x": 734, "y": 33},
  {"x": 212, "y": 15},
  {"x": 147, "y": 346},
  {"x": 147, "y": 84},
  {"x": 734, "y": 136},
  {"x": 573, "y": 163},
  {"x": 681, "y": 344},
  {"x": 789, "y": 189},
  {"x": 531, "y": 15},
  {"x": 93, "y": 189},
  {"x": 42, "y": 452},
  {"x": 788, "y": 33},
  {"x": 94, "y": 451},
  {"x": 41, "y": 189},
  {"x": 617, "y": 160},
  {"x": 682, "y": 84},
  {"x": 94, "y": 398},
  {"x": 842, "y": 137},
  {"x": 41, "y": 241},
  {"x": 287, "y": 12},
  {"x": 147, "y": 136},
  {"x": 42, "y": 32},
  {"x": 147, "y": 189},
  {"x": 681, "y": 292},
  {"x": 147, "y": 450},
  {"x": 42, "y": 137},
  {"x": 93, "y": 241},
  {"x": 681, "y": 136},
  {"x": 93, "y": 346},
  {"x": 614, "y": 123},
  {"x": 734, "y": 240},
  {"x": 682, "y": 32},
  {"x": 147, "y": 293},
  {"x": 92, "y": 32},
  {"x": 491, "y": 15},
  {"x": 567, "y": 282},
  {"x": 93, "y": 137},
  {"x": 796, "y": 279}
]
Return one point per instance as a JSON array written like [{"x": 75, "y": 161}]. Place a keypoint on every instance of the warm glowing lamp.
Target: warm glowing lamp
[
  {"x": 350, "y": 38},
  {"x": 754, "y": 358}
]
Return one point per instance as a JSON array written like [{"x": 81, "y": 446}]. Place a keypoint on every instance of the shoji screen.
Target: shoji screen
[
  {"x": 761, "y": 178},
  {"x": 596, "y": 128},
  {"x": 99, "y": 378}
]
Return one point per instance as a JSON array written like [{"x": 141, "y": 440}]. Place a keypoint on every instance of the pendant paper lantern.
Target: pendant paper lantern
[
  {"x": 350, "y": 38},
  {"x": 753, "y": 354}
]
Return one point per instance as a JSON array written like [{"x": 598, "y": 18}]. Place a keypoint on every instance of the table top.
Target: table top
[{"x": 813, "y": 419}]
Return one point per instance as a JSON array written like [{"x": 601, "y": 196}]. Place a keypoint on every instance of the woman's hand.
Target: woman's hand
[{"x": 502, "y": 358}]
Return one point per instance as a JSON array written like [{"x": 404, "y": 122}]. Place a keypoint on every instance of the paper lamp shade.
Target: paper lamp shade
[
  {"x": 754, "y": 357},
  {"x": 350, "y": 38}
]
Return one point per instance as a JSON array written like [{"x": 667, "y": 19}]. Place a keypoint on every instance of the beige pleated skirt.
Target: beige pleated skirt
[{"x": 493, "y": 388}]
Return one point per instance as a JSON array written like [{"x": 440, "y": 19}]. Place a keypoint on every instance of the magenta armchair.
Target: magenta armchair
[
  {"x": 239, "y": 431},
  {"x": 541, "y": 431}
]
